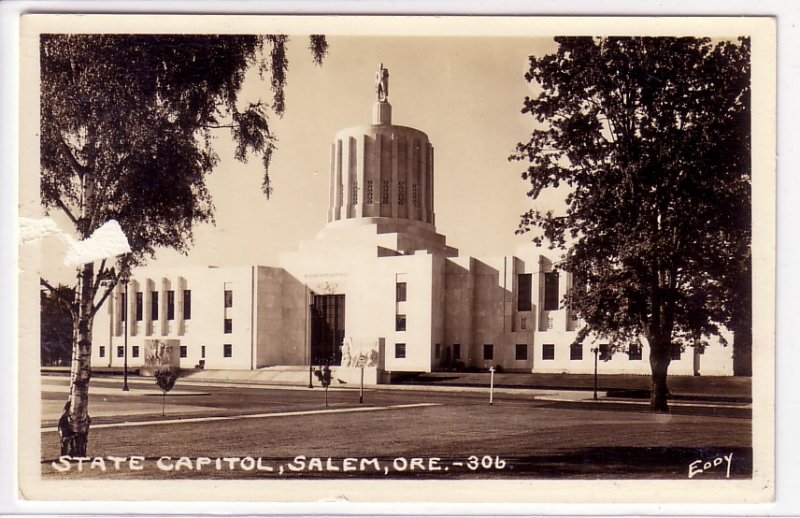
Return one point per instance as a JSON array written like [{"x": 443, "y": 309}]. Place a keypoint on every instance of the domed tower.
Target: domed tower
[{"x": 382, "y": 170}]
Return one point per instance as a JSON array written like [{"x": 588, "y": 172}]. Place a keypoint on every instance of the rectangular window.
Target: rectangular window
[
  {"x": 524, "y": 283},
  {"x": 153, "y": 305},
  {"x": 675, "y": 352},
  {"x": 551, "y": 291},
  {"x": 400, "y": 323},
  {"x": 139, "y": 306},
  {"x": 120, "y": 351},
  {"x": 228, "y": 327},
  {"x": 228, "y": 298},
  {"x": 399, "y": 350},
  {"x": 227, "y": 350},
  {"x": 635, "y": 352},
  {"x": 135, "y": 351},
  {"x": 401, "y": 292},
  {"x": 187, "y": 304},
  {"x": 102, "y": 351},
  {"x": 415, "y": 194},
  {"x": 184, "y": 351},
  {"x": 548, "y": 351},
  {"x": 456, "y": 351},
  {"x": 438, "y": 351},
  {"x": 123, "y": 307},
  {"x": 576, "y": 351},
  {"x": 202, "y": 351},
  {"x": 522, "y": 352},
  {"x": 488, "y": 352},
  {"x": 401, "y": 193},
  {"x": 353, "y": 192},
  {"x": 170, "y": 305},
  {"x": 605, "y": 352},
  {"x": 369, "y": 191},
  {"x": 385, "y": 192}
]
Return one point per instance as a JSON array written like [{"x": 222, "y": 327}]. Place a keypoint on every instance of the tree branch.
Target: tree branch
[
  {"x": 59, "y": 296},
  {"x": 65, "y": 209},
  {"x": 79, "y": 169}
]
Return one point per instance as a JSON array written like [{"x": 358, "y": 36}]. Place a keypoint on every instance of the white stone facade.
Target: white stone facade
[{"x": 379, "y": 278}]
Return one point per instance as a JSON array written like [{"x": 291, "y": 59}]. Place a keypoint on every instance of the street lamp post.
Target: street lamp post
[
  {"x": 595, "y": 350},
  {"x": 125, "y": 279}
]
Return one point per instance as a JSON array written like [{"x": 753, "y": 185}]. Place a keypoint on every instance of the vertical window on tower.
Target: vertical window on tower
[
  {"x": 353, "y": 192},
  {"x": 401, "y": 193},
  {"x": 228, "y": 298},
  {"x": 228, "y": 326},
  {"x": 187, "y": 304},
  {"x": 524, "y": 282},
  {"x": 139, "y": 305},
  {"x": 385, "y": 192},
  {"x": 415, "y": 194},
  {"x": 135, "y": 351},
  {"x": 102, "y": 351},
  {"x": 551, "y": 291},
  {"x": 401, "y": 292},
  {"x": 170, "y": 305},
  {"x": 153, "y": 305},
  {"x": 369, "y": 191}
]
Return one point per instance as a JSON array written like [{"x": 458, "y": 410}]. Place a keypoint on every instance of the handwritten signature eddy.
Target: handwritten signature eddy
[{"x": 700, "y": 466}]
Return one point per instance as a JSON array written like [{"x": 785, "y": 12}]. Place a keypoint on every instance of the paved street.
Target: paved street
[{"x": 524, "y": 434}]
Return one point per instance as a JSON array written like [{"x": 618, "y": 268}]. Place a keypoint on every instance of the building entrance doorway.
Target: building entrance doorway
[{"x": 327, "y": 329}]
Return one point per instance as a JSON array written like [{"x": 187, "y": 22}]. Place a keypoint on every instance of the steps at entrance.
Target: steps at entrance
[{"x": 275, "y": 375}]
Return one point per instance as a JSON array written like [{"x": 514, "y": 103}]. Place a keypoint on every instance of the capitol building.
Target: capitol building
[{"x": 377, "y": 288}]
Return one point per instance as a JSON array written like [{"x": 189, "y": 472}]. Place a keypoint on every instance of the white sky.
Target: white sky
[{"x": 465, "y": 93}]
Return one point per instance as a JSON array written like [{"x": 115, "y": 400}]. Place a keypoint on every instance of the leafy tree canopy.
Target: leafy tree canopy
[
  {"x": 127, "y": 120},
  {"x": 651, "y": 135}
]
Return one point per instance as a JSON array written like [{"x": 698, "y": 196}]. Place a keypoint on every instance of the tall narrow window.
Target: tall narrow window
[
  {"x": 488, "y": 351},
  {"x": 170, "y": 305},
  {"x": 385, "y": 192},
  {"x": 184, "y": 351},
  {"x": 120, "y": 351},
  {"x": 524, "y": 282},
  {"x": 438, "y": 351},
  {"x": 227, "y": 350},
  {"x": 202, "y": 351},
  {"x": 153, "y": 305},
  {"x": 123, "y": 313},
  {"x": 102, "y": 351},
  {"x": 228, "y": 298},
  {"x": 551, "y": 291},
  {"x": 401, "y": 292},
  {"x": 415, "y": 194},
  {"x": 353, "y": 193},
  {"x": 187, "y": 304},
  {"x": 139, "y": 306},
  {"x": 399, "y": 350},
  {"x": 228, "y": 327},
  {"x": 456, "y": 351},
  {"x": 370, "y": 191},
  {"x": 135, "y": 351},
  {"x": 401, "y": 193}
]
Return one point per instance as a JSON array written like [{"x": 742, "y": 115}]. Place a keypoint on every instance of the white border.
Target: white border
[{"x": 787, "y": 355}]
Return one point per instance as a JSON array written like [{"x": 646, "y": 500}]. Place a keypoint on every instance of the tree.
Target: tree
[
  {"x": 651, "y": 138},
  {"x": 323, "y": 374},
  {"x": 165, "y": 379},
  {"x": 56, "y": 325},
  {"x": 127, "y": 123}
]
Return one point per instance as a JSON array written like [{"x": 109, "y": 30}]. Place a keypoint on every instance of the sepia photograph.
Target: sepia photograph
[{"x": 380, "y": 257}]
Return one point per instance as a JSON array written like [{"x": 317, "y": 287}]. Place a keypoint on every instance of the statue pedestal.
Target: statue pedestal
[{"x": 382, "y": 113}]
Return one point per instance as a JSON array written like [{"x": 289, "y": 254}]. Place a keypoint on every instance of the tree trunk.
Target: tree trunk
[
  {"x": 743, "y": 349},
  {"x": 78, "y": 420},
  {"x": 659, "y": 363}
]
